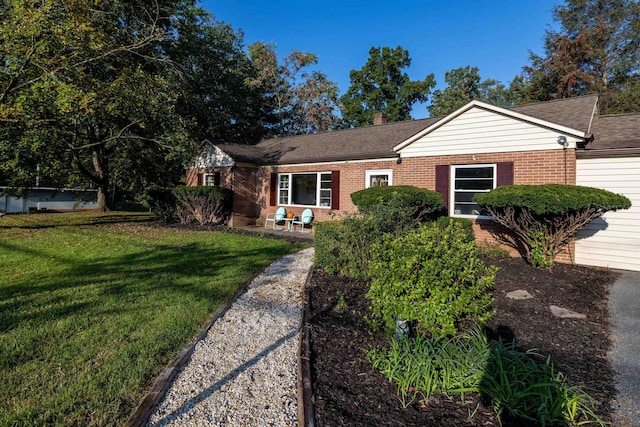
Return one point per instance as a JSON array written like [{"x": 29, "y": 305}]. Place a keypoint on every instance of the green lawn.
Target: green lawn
[{"x": 93, "y": 307}]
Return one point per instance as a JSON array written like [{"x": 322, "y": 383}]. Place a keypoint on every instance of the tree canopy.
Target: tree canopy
[
  {"x": 295, "y": 100},
  {"x": 122, "y": 92},
  {"x": 595, "y": 50},
  {"x": 466, "y": 85},
  {"x": 382, "y": 86}
]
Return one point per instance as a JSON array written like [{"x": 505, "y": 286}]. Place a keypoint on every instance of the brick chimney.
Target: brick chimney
[{"x": 379, "y": 118}]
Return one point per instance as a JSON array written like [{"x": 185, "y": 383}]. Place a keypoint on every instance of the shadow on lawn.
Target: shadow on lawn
[{"x": 163, "y": 268}]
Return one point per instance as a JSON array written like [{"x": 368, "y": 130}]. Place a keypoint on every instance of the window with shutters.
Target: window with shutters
[
  {"x": 466, "y": 182},
  {"x": 305, "y": 189}
]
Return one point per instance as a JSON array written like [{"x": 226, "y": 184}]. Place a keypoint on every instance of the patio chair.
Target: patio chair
[
  {"x": 304, "y": 219},
  {"x": 275, "y": 217}
]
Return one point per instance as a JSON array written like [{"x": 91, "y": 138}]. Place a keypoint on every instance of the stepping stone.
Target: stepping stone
[
  {"x": 564, "y": 313},
  {"x": 519, "y": 294}
]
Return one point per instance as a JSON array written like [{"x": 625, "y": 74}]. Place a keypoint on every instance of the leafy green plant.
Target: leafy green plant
[
  {"x": 542, "y": 218},
  {"x": 541, "y": 254},
  {"x": 493, "y": 250},
  {"x": 466, "y": 225},
  {"x": 433, "y": 277},
  {"x": 344, "y": 246},
  {"x": 418, "y": 203},
  {"x": 341, "y": 303}
]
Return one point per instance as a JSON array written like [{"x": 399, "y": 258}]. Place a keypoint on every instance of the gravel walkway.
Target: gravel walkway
[{"x": 243, "y": 373}]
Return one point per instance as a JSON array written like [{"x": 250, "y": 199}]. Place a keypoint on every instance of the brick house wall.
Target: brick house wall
[{"x": 529, "y": 167}]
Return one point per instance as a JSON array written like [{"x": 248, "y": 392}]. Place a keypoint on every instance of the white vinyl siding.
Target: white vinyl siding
[
  {"x": 478, "y": 131},
  {"x": 614, "y": 240}
]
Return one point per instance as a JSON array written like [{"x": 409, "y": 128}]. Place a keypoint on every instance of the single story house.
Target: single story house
[{"x": 474, "y": 149}]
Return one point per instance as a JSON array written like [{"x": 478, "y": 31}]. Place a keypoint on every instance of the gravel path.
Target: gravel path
[{"x": 243, "y": 373}]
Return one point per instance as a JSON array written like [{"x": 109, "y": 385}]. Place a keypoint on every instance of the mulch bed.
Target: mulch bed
[{"x": 348, "y": 392}]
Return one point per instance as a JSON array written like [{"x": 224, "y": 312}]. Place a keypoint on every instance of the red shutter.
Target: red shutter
[
  {"x": 505, "y": 173},
  {"x": 335, "y": 190},
  {"x": 200, "y": 178},
  {"x": 442, "y": 183},
  {"x": 273, "y": 190}
]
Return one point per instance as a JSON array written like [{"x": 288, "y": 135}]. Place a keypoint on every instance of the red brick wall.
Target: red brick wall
[
  {"x": 352, "y": 178},
  {"x": 242, "y": 180}
]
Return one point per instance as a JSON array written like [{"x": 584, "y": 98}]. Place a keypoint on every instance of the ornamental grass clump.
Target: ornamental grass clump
[
  {"x": 520, "y": 388},
  {"x": 431, "y": 277},
  {"x": 423, "y": 366},
  {"x": 543, "y": 218}
]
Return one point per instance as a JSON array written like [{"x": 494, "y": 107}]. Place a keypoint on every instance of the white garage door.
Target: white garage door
[{"x": 613, "y": 240}]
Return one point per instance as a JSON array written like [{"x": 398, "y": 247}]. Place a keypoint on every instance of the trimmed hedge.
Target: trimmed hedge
[
  {"x": 552, "y": 198},
  {"x": 417, "y": 202},
  {"x": 542, "y": 218}
]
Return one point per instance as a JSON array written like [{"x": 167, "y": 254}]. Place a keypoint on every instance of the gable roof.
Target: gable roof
[
  {"x": 574, "y": 116},
  {"x": 526, "y": 117}
]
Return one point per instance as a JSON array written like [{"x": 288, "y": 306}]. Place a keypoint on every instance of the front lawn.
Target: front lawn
[{"x": 93, "y": 307}]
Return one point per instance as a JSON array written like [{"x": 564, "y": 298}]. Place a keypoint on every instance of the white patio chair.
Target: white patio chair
[
  {"x": 304, "y": 219},
  {"x": 275, "y": 217}
]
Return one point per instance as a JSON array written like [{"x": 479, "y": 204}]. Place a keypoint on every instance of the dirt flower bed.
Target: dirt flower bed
[{"x": 347, "y": 391}]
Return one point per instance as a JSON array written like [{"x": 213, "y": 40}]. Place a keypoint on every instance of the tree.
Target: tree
[
  {"x": 544, "y": 217},
  {"x": 596, "y": 49},
  {"x": 117, "y": 93},
  {"x": 213, "y": 69},
  {"x": 382, "y": 86},
  {"x": 465, "y": 85},
  {"x": 295, "y": 101}
]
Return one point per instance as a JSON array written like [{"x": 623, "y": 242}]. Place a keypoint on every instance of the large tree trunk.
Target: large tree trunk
[{"x": 100, "y": 166}]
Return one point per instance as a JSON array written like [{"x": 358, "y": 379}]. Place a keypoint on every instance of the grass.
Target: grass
[{"x": 93, "y": 307}]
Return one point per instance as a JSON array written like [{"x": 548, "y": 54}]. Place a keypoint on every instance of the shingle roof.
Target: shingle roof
[
  {"x": 368, "y": 142},
  {"x": 615, "y": 131},
  {"x": 570, "y": 112},
  {"x": 377, "y": 141}
]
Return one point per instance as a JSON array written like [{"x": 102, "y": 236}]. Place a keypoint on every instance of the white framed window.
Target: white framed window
[
  {"x": 212, "y": 179},
  {"x": 305, "y": 189},
  {"x": 466, "y": 182},
  {"x": 378, "y": 178}
]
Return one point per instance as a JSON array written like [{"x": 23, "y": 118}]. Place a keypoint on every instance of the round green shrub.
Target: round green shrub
[
  {"x": 552, "y": 198},
  {"x": 417, "y": 202},
  {"x": 432, "y": 277}
]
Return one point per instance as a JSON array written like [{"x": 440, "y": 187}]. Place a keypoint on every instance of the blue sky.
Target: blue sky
[{"x": 494, "y": 36}]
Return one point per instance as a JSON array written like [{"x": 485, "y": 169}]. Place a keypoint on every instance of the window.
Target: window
[
  {"x": 467, "y": 181},
  {"x": 212, "y": 179},
  {"x": 305, "y": 189},
  {"x": 378, "y": 178}
]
